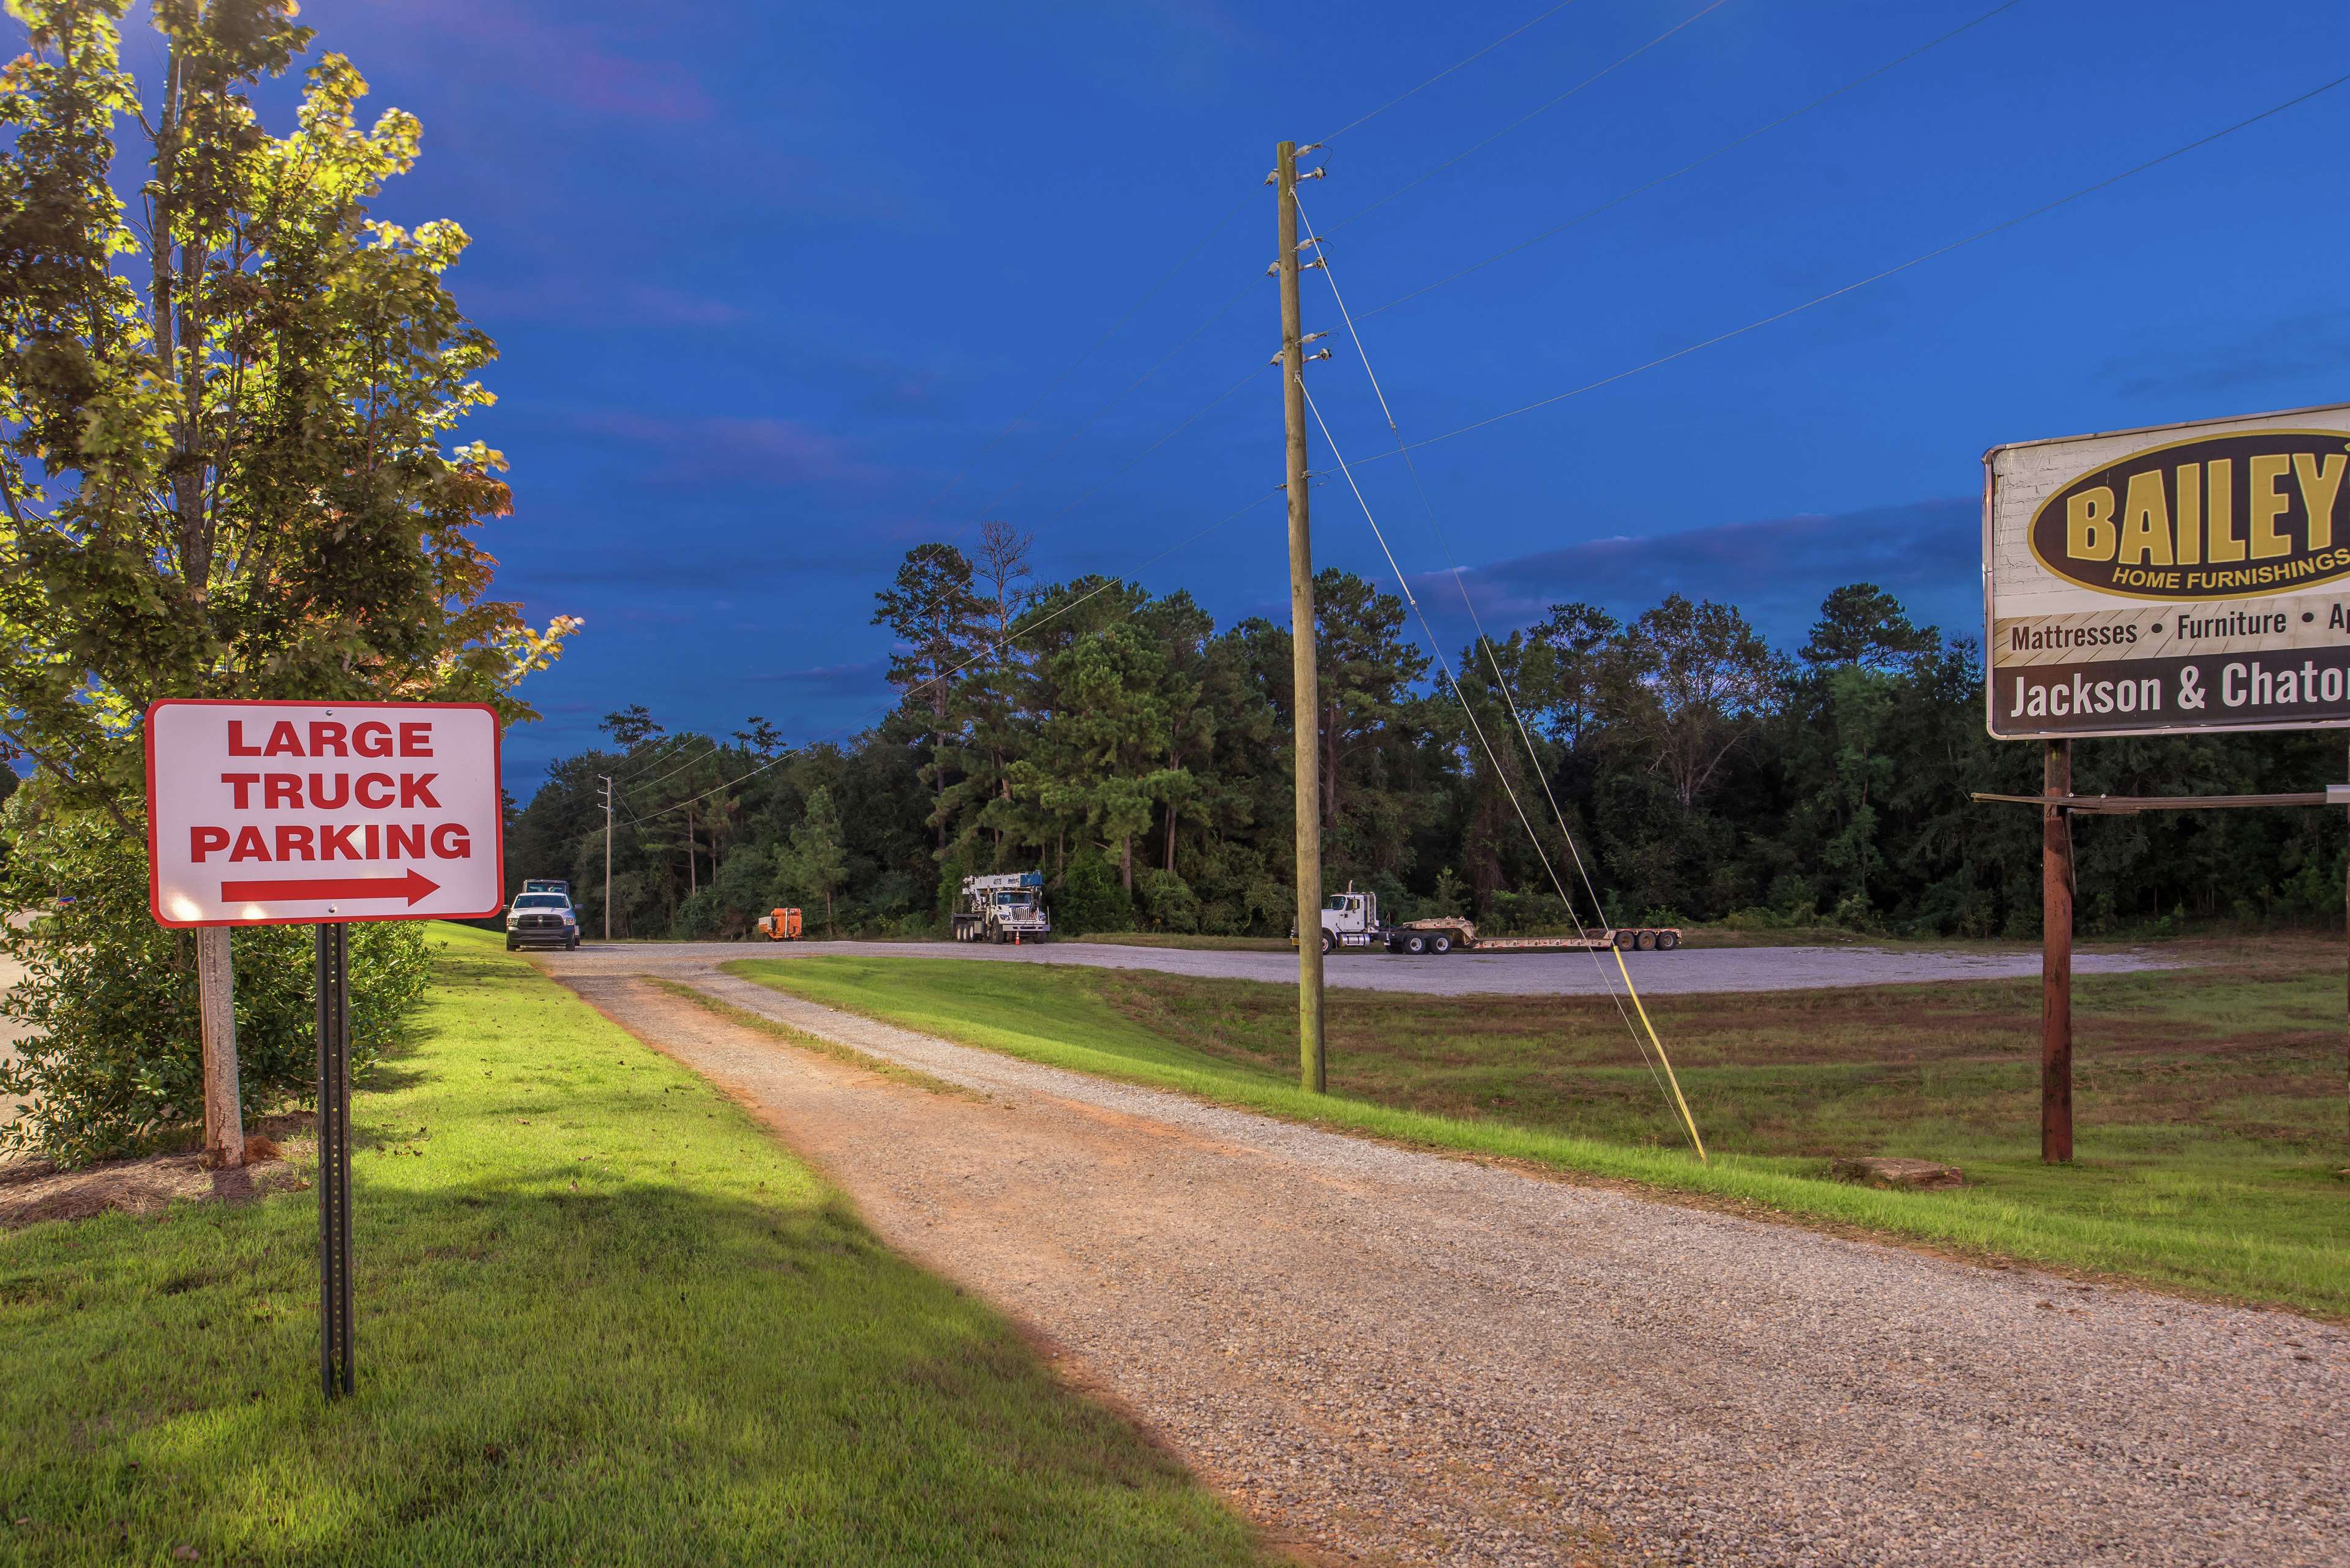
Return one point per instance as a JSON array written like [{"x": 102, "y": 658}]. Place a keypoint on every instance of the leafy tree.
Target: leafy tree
[
  {"x": 1862, "y": 626},
  {"x": 1366, "y": 669},
  {"x": 224, "y": 427},
  {"x": 931, "y": 610},
  {"x": 818, "y": 861},
  {"x": 631, "y": 727},
  {"x": 1690, "y": 675},
  {"x": 762, "y": 738}
]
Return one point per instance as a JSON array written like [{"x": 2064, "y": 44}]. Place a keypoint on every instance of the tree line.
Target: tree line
[{"x": 1140, "y": 755}]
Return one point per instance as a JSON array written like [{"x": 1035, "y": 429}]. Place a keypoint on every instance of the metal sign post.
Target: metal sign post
[
  {"x": 324, "y": 814},
  {"x": 336, "y": 1353}
]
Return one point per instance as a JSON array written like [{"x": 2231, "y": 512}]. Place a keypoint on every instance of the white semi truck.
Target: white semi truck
[
  {"x": 1008, "y": 907},
  {"x": 1351, "y": 919}
]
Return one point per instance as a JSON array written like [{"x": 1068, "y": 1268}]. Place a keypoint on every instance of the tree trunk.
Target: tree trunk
[
  {"x": 1126, "y": 861},
  {"x": 1171, "y": 835},
  {"x": 216, "y": 1005},
  {"x": 692, "y": 882}
]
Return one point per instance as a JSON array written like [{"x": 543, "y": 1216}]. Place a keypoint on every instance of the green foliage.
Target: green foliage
[
  {"x": 1091, "y": 898},
  {"x": 228, "y": 468},
  {"x": 113, "y": 1059},
  {"x": 817, "y": 861},
  {"x": 223, "y": 425},
  {"x": 1168, "y": 902},
  {"x": 1697, "y": 769}
]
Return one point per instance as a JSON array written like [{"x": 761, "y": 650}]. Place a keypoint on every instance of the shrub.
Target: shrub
[
  {"x": 114, "y": 1062},
  {"x": 1090, "y": 898},
  {"x": 1168, "y": 900}
]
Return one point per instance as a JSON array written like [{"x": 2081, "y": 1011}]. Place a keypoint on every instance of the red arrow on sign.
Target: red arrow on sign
[{"x": 415, "y": 885}]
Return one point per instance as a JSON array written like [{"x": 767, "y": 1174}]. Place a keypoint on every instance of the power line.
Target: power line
[
  {"x": 1937, "y": 251},
  {"x": 1423, "y": 178},
  {"x": 1731, "y": 145},
  {"x": 1168, "y": 277},
  {"x": 1465, "y": 59},
  {"x": 1492, "y": 661},
  {"x": 1501, "y": 777},
  {"x": 689, "y": 762}
]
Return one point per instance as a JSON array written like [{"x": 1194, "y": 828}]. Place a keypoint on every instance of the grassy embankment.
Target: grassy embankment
[
  {"x": 2210, "y": 1099},
  {"x": 602, "y": 1318}
]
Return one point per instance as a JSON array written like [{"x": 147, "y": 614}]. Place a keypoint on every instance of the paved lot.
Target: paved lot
[
  {"x": 1456, "y": 974},
  {"x": 1393, "y": 1356}
]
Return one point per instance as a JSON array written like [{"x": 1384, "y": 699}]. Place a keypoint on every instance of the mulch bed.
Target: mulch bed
[{"x": 33, "y": 1189}]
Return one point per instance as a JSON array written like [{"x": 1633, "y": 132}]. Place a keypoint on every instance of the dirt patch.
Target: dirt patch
[{"x": 33, "y": 1189}]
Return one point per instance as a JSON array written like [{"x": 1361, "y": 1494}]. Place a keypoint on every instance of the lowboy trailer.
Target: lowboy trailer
[{"x": 1351, "y": 921}]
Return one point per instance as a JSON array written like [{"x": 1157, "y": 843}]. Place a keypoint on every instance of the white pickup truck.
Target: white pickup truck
[{"x": 1351, "y": 919}]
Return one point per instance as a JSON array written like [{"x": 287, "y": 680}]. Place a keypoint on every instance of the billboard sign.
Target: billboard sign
[
  {"x": 2184, "y": 577},
  {"x": 279, "y": 812}
]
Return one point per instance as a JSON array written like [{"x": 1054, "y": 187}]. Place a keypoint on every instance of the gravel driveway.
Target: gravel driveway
[
  {"x": 1393, "y": 1356},
  {"x": 1456, "y": 974}
]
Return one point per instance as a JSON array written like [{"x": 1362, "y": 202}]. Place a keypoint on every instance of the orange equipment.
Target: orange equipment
[{"x": 783, "y": 925}]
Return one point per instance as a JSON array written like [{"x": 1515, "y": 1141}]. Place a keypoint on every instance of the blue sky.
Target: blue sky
[{"x": 770, "y": 284}]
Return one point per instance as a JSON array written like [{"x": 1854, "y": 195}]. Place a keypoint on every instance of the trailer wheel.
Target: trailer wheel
[
  {"x": 1627, "y": 940},
  {"x": 1415, "y": 944},
  {"x": 1439, "y": 944},
  {"x": 1667, "y": 941},
  {"x": 1642, "y": 942}
]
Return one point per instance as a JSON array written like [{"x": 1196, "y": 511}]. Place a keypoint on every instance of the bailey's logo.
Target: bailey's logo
[{"x": 2221, "y": 517}]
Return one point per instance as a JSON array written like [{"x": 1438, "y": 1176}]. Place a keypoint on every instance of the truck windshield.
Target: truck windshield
[{"x": 542, "y": 901}]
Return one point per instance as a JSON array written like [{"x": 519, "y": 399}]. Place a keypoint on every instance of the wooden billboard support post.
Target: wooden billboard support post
[
  {"x": 2058, "y": 805},
  {"x": 2057, "y": 958}
]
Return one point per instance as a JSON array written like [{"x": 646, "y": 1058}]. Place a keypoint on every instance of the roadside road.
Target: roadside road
[
  {"x": 1398, "y": 1357},
  {"x": 1691, "y": 970}
]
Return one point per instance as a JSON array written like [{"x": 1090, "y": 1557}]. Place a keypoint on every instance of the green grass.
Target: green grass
[
  {"x": 602, "y": 1319},
  {"x": 2211, "y": 1109}
]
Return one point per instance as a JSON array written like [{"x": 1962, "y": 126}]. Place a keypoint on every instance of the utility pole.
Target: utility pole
[
  {"x": 1306, "y": 705},
  {"x": 608, "y": 854}
]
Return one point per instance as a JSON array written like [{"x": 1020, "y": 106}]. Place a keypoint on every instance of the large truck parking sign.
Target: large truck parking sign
[
  {"x": 275, "y": 813},
  {"x": 2184, "y": 577}
]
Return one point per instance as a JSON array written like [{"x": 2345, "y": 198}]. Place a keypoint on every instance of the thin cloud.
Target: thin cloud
[
  {"x": 1776, "y": 570},
  {"x": 718, "y": 449},
  {"x": 568, "y": 65}
]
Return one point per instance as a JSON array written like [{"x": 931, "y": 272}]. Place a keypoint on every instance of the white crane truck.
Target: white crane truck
[
  {"x": 1008, "y": 907},
  {"x": 1351, "y": 919}
]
